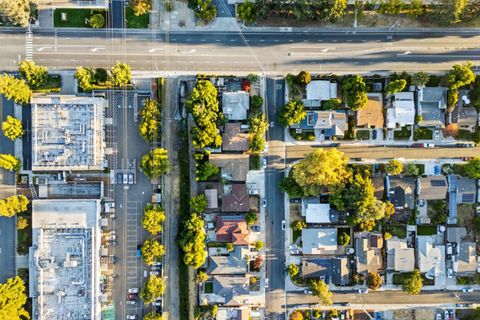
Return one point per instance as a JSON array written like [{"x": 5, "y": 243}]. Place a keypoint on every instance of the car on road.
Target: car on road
[
  {"x": 306, "y": 291},
  {"x": 131, "y": 317},
  {"x": 266, "y": 282},
  {"x": 253, "y": 192},
  {"x": 119, "y": 178},
  {"x": 264, "y": 163},
  {"x": 334, "y": 145},
  {"x": 132, "y": 296},
  {"x": 284, "y": 225},
  {"x": 362, "y": 290},
  {"x": 256, "y": 228},
  {"x": 429, "y": 145},
  {"x": 467, "y": 290},
  {"x": 125, "y": 178},
  {"x": 358, "y": 159},
  {"x": 446, "y": 315},
  {"x": 450, "y": 272},
  {"x": 157, "y": 302},
  {"x": 264, "y": 202},
  {"x": 154, "y": 273},
  {"x": 436, "y": 135},
  {"x": 133, "y": 290},
  {"x": 374, "y": 134},
  {"x": 130, "y": 178},
  {"x": 418, "y": 145},
  {"x": 139, "y": 251},
  {"x": 131, "y": 302}
]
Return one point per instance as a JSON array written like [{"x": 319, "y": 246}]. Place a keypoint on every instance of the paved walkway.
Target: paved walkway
[{"x": 45, "y": 19}]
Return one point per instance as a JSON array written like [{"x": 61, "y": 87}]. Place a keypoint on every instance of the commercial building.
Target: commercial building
[{"x": 64, "y": 259}]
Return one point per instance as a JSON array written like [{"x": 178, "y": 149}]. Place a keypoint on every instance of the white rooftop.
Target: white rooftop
[
  {"x": 317, "y": 213},
  {"x": 321, "y": 90},
  {"x": 403, "y": 111},
  {"x": 319, "y": 240},
  {"x": 431, "y": 258},
  {"x": 235, "y": 105}
]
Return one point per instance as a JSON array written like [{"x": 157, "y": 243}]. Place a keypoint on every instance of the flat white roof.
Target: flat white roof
[
  {"x": 321, "y": 90},
  {"x": 318, "y": 213},
  {"x": 319, "y": 240}
]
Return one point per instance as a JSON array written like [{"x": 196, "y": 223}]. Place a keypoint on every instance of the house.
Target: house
[
  {"x": 400, "y": 257},
  {"x": 463, "y": 251},
  {"x": 316, "y": 212},
  {"x": 371, "y": 116},
  {"x": 431, "y": 257},
  {"x": 234, "y": 313},
  {"x": 232, "y": 263},
  {"x": 233, "y": 167},
  {"x": 463, "y": 115},
  {"x": 331, "y": 270},
  {"x": 403, "y": 111},
  {"x": 232, "y": 229},
  {"x": 72, "y": 4},
  {"x": 235, "y": 198},
  {"x": 368, "y": 249},
  {"x": 325, "y": 124},
  {"x": 235, "y": 105},
  {"x": 466, "y": 190},
  {"x": 233, "y": 138},
  {"x": 227, "y": 291},
  {"x": 401, "y": 192},
  {"x": 432, "y": 102},
  {"x": 318, "y": 91},
  {"x": 432, "y": 188},
  {"x": 212, "y": 198},
  {"x": 321, "y": 241}
]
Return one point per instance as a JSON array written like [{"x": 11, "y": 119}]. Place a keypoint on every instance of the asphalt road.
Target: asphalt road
[
  {"x": 269, "y": 52},
  {"x": 8, "y": 251},
  {"x": 275, "y": 205}
]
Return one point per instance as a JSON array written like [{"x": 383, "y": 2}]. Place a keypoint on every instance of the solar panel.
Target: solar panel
[
  {"x": 438, "y": 183},
  {"x": 469, "y": 197}
]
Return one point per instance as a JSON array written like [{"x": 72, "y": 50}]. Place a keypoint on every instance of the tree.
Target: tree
[
  {"x": 155, "y": 163},
  {"x": 293, "y": 270},
  {"x": 252, "y": 77},
  {"x": 204, "y": 9},
  {"x": 473, "y": 315},
  {"x": 251, "y": 217},
  {"x": 201, "y": 277},
  {"x": 199, "y": 203},
  {"x": 343, "y": 239},
  {"x": 22, "y": 223},
  {"x": 85, "y": 76},
  {"x": 292, "y": 113},
  {"x": 450, "y": 11},
  {"x": 416, "y": 10},
  {"x": 256, "y": 103},
  {"x": 247, "y": 12},
  {"x": 12, "y": 128},
  {"x": 451, "y": 130},
  {"x": 336, "y": 10},
  {"x": 472, "y": 168},
  {"x": 193, "y": 241},
  {"x": 101, "y": 75},
  {"x": 296, "y": 315},
  {"x": 394, "y": 167},
  {"x": 140, "y": 7},
  {"x": 206, "y": 170},
  {"x": 354, "y": 92},
  {"x": 152, "y": 251},
  {"x": 460, "y": 75},
  {"x": 150, "y": 120},
  {"x": 153, "y": 316},
  {"x": 395, "y": 86},
  {"x": 290, "y": 186},
  {"x": 331, "y": 104},
  {"x": 9, "y": 162},
  {"x": 120, "y": 74},
  {"x": 320, "y": 289},
  {"x": 35, "y": 75},
  {"x": 13, "y": 299},
  {"x": 259, "y": 245},
  {"x": 97, "y": 21},
  {"x": 229, "y": 246},
  {"x": 414, "y": 283},
  {"x": 13, "y": 205},
  {"x": 411, "y": 169},
  {"x": 393, "y": 7},
  {"x": 321, "y": 168},
  {"x": 17, "y": 11},
  {"x": 298, "y": 225},
  {"x": 256, "y": 143},
  {"x": 374, "y": 281},
  {"x": 14, "y": 89},
  {"x": 420, "y": 79},
  {"x": 153, "y": 218},
  {"x": 257, "y": 263},
  {"x": 387, "y": 235},
  {"x": 303, "y": 78},
  {"x": 153, "y": 289}
]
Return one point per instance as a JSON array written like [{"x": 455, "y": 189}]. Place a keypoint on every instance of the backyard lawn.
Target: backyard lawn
[
  {"x": 208, "y": 287},
  {"x": 464, "y": 135},
  {"x": 363, "y": 134},
  {"x": 399, "y": 278},
  {"x": 134, "y": 22},
  {"x": 426, "y": 230},
  {"x": 403, "y": 134},
  {"x": 436, "y": 211},
  {"x": 254, "y": 162},
  {"x": 399, "y": 231},
  {"x": 75, "y": 18},
  {"x": 464, "y": 214},
  {"x": 422, "y": 134}
]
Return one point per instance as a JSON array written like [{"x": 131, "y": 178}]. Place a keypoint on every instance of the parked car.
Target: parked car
[
  {"x": 132, "y": 296},
  {"x": 418, "y": 145},
  {"x": 130, "y": 178},
  {"x": 334, "y": 145},
  {"x": 374, "y": 134},
  {"x": 266, "y": 282},
  {"x": 284, "y": 225},
  {"x": 264, "y": 202},
  {"x": 467, "y": 290},
  {"x": 306, "y": 291},
  {"x": 438, "y": 316},
  {"x": 451, "y": 314},
  {"x": 295, "y": 200},
  {"x": 133, "y": 290},
  {"x": 436, "y": 135},
  {"x": 446, "y": 315},
  {"x": 139, "y": 250},
  {"x": 125, "y": 178},
  {"x": 157, "y": 268},
  {"x": 362, "y": 291},
  {"x": 154, "y": 273},
  {"x": 264, "y": 163},
  {"x": 131, "y": 317},
  {"x": 253, "y": 192},
  {"x": 119, "y": 178},
  {"x": 157, "y": 302},
  {"x": 256, "y": 228},
  {"x": 450, "y": 272},
  {"x": 429, "y": 145},
  {"x": 131, "y": 302}
]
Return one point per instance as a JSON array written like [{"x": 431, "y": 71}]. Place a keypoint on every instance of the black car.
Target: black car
[
  {"x": 119, "y": 178},
  {"x": 374, "y": 134}
]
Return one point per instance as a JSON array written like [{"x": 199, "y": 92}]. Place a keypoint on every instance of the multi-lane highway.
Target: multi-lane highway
[{"x": 270, "y": 52}]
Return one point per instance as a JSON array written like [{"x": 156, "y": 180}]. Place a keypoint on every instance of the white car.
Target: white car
[
  {"x": 157, "y": 303},
  {"x": 131, "y": 302},
  {"x": 450, "y": 272},
  {"x": 306, "y": 291},
  {"x": 467, "y": 290},
  {"x": 362, "y": 290},
  {"x": 131, "y": 317},
  {"x": 284, "y": 225},
  {"x": 264, "y": 202},
  {"x": 436, "y": 135},
  {"x": 264, "y": 163},
  {"x": 133, "y": 290},
  {"x": 266, "y": 282},
  {"x": 125, "y": 178}
]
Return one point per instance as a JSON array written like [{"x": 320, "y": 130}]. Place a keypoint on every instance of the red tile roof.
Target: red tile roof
[{"x": 232, "y": 229}]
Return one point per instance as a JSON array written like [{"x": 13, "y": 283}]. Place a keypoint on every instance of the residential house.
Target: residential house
[
  {"x": 231, "y": 263},
  {"x": 432, "y": 188},
  {"x": 232, "y": 229},
  {"x": 316, "y": 212},
  {"x": 234, "y": 313},
  {"x": 331, "y": 270},
  {"x": 228, "y": 291},
  {"x": 72, "y": 4},
  {"x": 431, "y": 257},
  {"x": 325, "y": 124},
  {"x": 401, "y": 193},
  {"x": 233, "y": 167},
  {"x": 463, "y": 115},
  {"x": 460, "y": 190},
  {"x": 235, "y": 105},
  {"x": 463, "y": 251},
  {"x": 368, "y": 249},
  {"x": 371, "y": 116},
  {"x": 432, "y": 102},
  {"x": 233, "y": 138},
  {"x": 235, "y": 198},
  {"x": 402, "y": 112},
  {"x": 400, "y": 257},
  {"x": 318, "y": 91},
  {"x": 212, "y": 198},
  {"x": 320, "y": 241}
]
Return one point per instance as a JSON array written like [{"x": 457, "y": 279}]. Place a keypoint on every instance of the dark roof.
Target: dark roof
[
  {"x": 237, "y": 200},
  {"x": 334, "y": 270}
]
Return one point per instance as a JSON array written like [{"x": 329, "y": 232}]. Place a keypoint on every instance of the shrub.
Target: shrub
[{"x": 97, "y": 21}]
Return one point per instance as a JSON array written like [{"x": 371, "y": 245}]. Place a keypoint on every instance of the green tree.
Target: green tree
[
  {"x": 336, "y": 10},
  {"x": 140, "y": 7},
  {"x": 343, "y": 239},
  {"x": 17, "y": 11},
  {"x": 298, "y": 225},
  {"x": 420, "y": 79},
  {"x": 354, "y": 92},
  {"x": 22, "y": 223},
  {"x": 395, "y": 86},
  {"x": 416, "y": 10},
  {"x": 411, "y": 170},
  {"x": 296, "y": 315},
  {"x": 247, "y": 12},
  {"x": 252, "y": 77},
  {"x": 153, "y": 316},
  {"x": 120, "y": 74},
  {"x": 201, "y": 277},
  {"x": 321, "y": 168},
  {"x": 206, "y": 170},
  {"x": 155, "y": 163},
  {"x": 303, "y": 78},
  {"x": 259, "y": 245},
  {"x": 256, "y": 143},
  {"x": 414, "y": 283},
  {"x": 101, "y": 75},
  {"x": 199, "y": 203},
  {"x": 193, "y": 241},
  {"x": 9, "y": 162},
  {"x": 450, "y": 11},
  {"x": 152, "y": 252},
  {"x": 374, "y": 280},
  {"x": 230, "y": 247},
  {"x": 472, "y": 168},
  {"x": 35, "y": 75},
  {"x": 204, "y": 9},
  {"x": 150, "y": 120},
  {"x": 251, "y": 217},
  {"x": 153, "y": 289},
  {"x": 85, "y": 77},
  {"x": 12, "y": 128},
  {"x": 97, "y": 21},
  {"x": 394, "y": 167},
  {"x": 331, "y": 104},
  {"x": 13, "y": 299},
  {"x": 14, "y": 89},
  {"x": 153, "y": 218},
  {"x": 392, "y": 7},
  {"x": 290, "y": 186},
  {"x": 292, "y": 113},
  {"x": 320, "y": 289},
  {"x": 293, "y": 270},
  {"x": 460, "y": 75},
  {"x": 256, "y": 103},
  {"x": 13, "y": 205}
]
